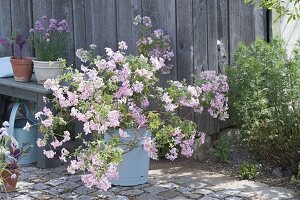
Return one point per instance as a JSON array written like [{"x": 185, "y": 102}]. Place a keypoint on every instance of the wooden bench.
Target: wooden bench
[{"x": 34, "y": 93}]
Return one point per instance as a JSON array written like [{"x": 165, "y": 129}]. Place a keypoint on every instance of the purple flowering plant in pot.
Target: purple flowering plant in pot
[
  {"x": 50, "y": 40},
  {"x": 22, "y": 66},
  {"x": 10, "y": 154},
  {"x": 111, "y": 95}
]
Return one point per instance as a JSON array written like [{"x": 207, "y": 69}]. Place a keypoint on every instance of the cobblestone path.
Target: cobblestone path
[{"x": 172, "y": 181}]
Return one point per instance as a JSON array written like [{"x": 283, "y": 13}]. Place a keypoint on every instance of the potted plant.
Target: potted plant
[
  {"x": 22, "y": 66},
  {"x": 10, "y": 153},
  {"x": 111, "y": 96},
  {"x": 50, "y": 41}
]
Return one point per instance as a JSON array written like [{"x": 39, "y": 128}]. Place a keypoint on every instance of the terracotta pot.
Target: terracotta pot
[
  {"x": 10, "y": 182},
  {"x": 22, "y": 68}
]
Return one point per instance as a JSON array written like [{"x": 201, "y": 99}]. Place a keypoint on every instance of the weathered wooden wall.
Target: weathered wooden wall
[{"x": 195, "y": 26}]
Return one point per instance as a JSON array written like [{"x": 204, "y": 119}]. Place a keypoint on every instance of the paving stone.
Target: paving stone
[
  {"x": 195, "y": 185},
  {"x": 119, "y": 197},
  {"x": 184, "y": 190},
  {"x": 233, "y": 198},
  {"x": 35, "y": 193},
  {"x": 155, "y": 189},
  {"x": 203, "y": 191},
  {"x": 192, "y": 195},
  {"x": 219, "y": 195},
  {"x": 23, "y": 197},
  {"x": 133, "y": 192},
  {"x": 103, "y": 194},
  {"x": 231, "y": 192},
  {"x": 69, "y": 195},
  {"x": 147, "y": 196},
  {"x": 55, "y": 182},
  {"x": 55, "y": 190},
  {"x": 83, "y": 190},
  {"x": 141, "y": 186},
  {"x": 208, "y": 198},
  {"x": 179, "y": 198},
  {"x": 182, "y": 180},
  {"x": 169, "y": 194},
  {"x": 24, "y": 184},
  {"x": 40, "y": 186},
  {"x": 169, "y": 185},
  {"x": 86, "y": 197}
]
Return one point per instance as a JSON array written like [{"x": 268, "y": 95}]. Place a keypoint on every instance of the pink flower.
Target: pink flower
[
  {"x": 138, "y": 87},
  {"x": 113, "y": 118},
  {"x": 56, "y": 143},
  {"x": 13, "y": 176},
  {"x": 66, "y": 136},
  {"x": 103, "y": 183},
  {"x": 64, "y": 153},
  {"x": 49, "y": 154},
  {"x": 40, "y": 143},
  {"x": 150, "y": 147},
  {"x": 89, "y": 180},
  {"x": 123, "y": 134},
  {"x": 172, "y": 155},
  {"x": 122, "y": 45},
  {"x": 145, "y": 103},
  {"x": 112, "y": 171},
  {"x": 47, "y": 122}
]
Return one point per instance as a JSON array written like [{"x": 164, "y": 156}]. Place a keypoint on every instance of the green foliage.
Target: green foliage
[
  {"x": 295, "y": 180},
  {"x": 293, "y": 12},
  {"x": 247, "y": 170},
  {"x": 222, "y": 150},
  {"x": 264, "y": 98}
]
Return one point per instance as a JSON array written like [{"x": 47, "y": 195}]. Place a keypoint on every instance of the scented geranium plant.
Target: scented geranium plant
[
  {"x": 50, "y": 38},
  {"x": 154, "y": 43},
  {"x": 113, "y": 92}
]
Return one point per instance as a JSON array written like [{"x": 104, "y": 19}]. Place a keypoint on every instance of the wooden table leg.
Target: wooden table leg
[
  {"x": 2, "y": 107},
  {"x": 42, "y": 161}
]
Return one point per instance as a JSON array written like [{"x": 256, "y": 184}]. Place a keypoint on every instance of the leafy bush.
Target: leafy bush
[
  {"x": 247, "y": 170},
  {"x": 222, "y": 149},
  {"x": 265, "y": 100}
]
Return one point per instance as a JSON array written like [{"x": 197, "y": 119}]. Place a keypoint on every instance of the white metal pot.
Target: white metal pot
[{"x": 46, "y": 70}]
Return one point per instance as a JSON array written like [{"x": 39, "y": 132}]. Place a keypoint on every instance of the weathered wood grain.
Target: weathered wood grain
[
  {"x": 200, "y": 52},
  {"x": 163, "y": 15},
  {"x": 5, "y": 26},
  {"x": 126, "y": 31},
  {"x": 240, "y": 24},
  {"x": 104, "y": 24},
  {"x": 223, "y": 28},
  {"x": 21, "y": 21},
  {"x": 184, "y": 46},
  {"x": 64, "y": 10}
]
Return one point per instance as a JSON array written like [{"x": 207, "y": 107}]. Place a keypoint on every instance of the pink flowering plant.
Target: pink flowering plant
[
  {"x": 50, "y": 38},
  {"x": 154, "y": 43},
  {"x": 113, "y": 93}
]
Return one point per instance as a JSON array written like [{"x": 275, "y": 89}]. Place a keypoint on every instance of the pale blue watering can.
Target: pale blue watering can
[{"x": 22, "y": 136}]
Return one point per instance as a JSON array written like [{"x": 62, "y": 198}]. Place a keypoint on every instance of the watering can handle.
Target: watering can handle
[{"x": 13, "y": 114}]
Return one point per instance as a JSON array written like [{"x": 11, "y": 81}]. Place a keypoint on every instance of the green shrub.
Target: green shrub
[
  {"x": 264, "y": 99},
  {"x": 222, "y": 149},
  {"x": 247, "y": 170}
]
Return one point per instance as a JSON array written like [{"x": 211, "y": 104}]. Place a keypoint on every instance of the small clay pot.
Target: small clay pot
[
  {"x": 22, "y": 68},
  {"x": 9, "y": 180}
]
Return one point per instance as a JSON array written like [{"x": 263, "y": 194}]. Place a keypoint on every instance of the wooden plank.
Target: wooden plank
[
  {"x": 184, "y": 10},
  {"x": 126, "y": 31},
  {"x": 240, "y": 24},
  {"x": 21, "y": 15},
  {"x": 260, "y": 22},
  {"x": 163, "y": 15},
  {"x": 212, "y": 38},
  {"x": 200, "y": 52},
  {"x": 79, "y": 27},
  {"x": 64, "y": 10},
  {"x": 223, "y": 27},
  {"x": 41, "y": 8},
  {"x": 5, "y": 26},
  {"x": 104, "y": 24}
]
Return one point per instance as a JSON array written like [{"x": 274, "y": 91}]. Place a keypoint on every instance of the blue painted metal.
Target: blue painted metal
[
  {"x": 135, "y": 165},
  {"x": 22, "y": 136}
]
